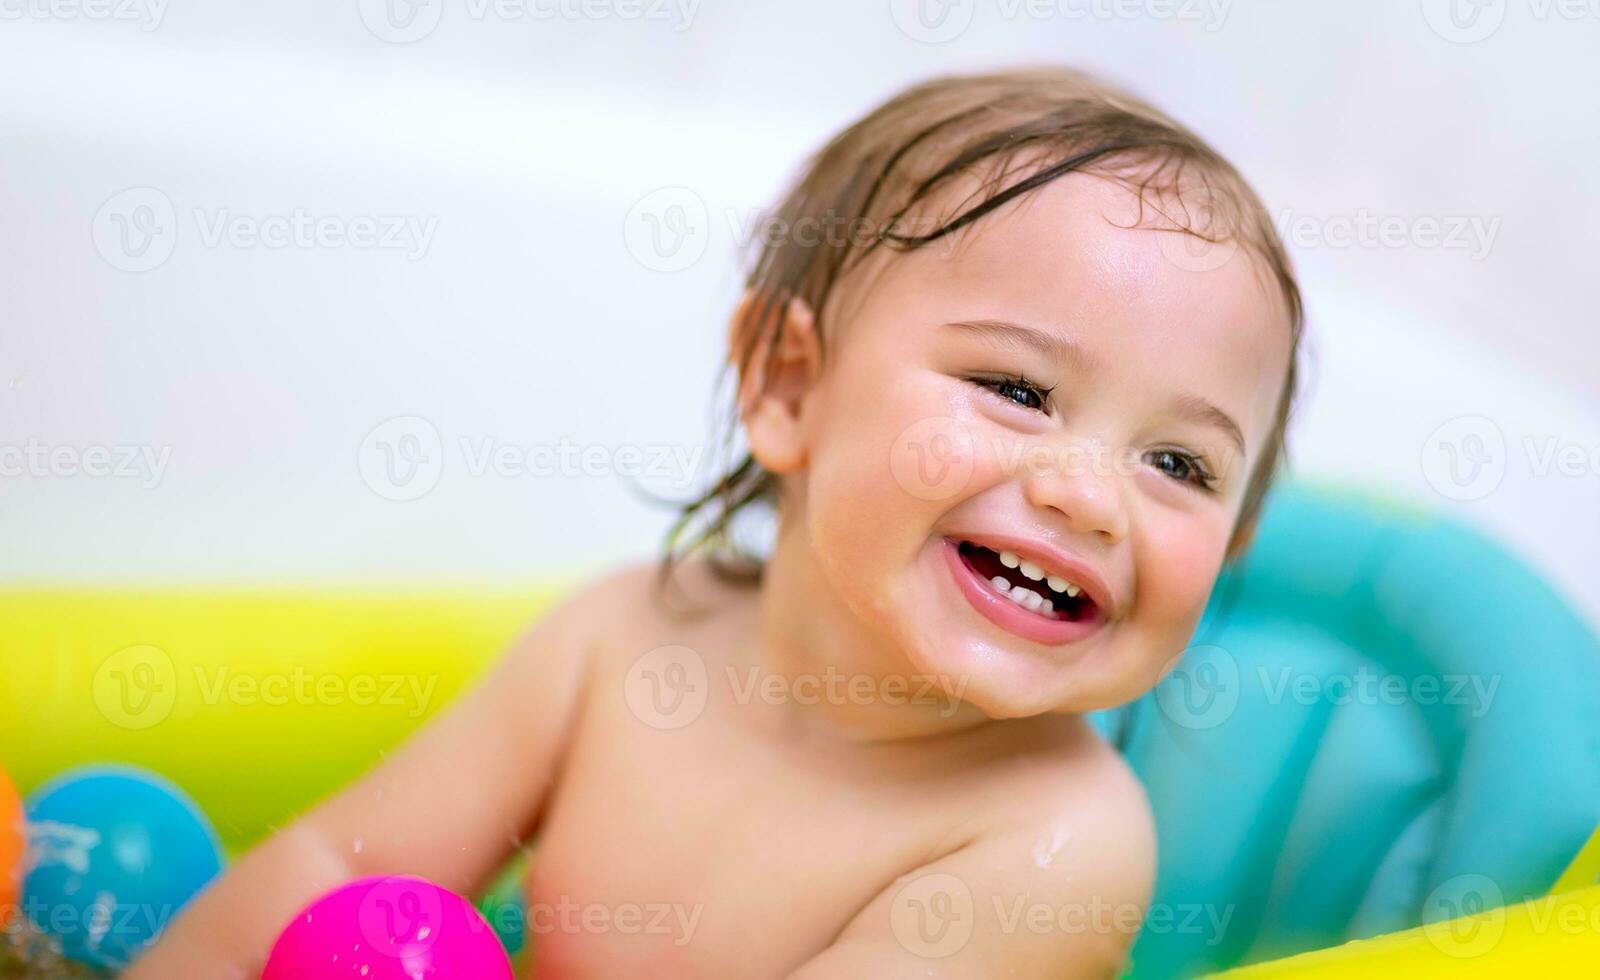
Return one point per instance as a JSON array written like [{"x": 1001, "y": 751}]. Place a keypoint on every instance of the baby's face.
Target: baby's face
[{"x": 1056, "y": 410}]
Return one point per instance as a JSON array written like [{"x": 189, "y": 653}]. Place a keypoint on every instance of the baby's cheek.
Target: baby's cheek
[
  {"x": 914, "y": 452},
  {"x": 879, "y": 476},
  {"x": 1177, "y": 572}
]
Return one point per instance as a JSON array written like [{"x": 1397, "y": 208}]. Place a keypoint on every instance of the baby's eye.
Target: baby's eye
[
  {"x": 1017, "y": 390},
  {"x": 1183, "y": 467}
]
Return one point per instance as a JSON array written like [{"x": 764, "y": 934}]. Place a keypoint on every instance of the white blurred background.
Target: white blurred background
[{"x": 488, "y": 177}]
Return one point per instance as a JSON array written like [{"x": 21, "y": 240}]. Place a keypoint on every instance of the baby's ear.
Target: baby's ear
[{"x": 785, "y": 360}]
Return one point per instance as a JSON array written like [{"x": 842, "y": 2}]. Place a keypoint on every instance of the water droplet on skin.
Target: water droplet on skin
[
  {"x": 358, "y": 845},
  {"x": 1049, "y": 845}
]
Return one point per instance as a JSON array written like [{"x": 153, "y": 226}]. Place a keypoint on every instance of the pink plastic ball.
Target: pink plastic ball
[{"x": 399, "y": 928}]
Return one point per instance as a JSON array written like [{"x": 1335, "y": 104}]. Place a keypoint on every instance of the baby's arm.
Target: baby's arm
[
  {"x": 1060, "y": 896},
  {"x": 449, "y": 806}
]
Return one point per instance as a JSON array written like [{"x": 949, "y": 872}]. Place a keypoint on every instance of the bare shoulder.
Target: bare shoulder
[
  {"x": 632, "y": 607},
  {"x": 1066, "y": 878},
  {"x": 1053, "y": 879},
  {"x": 1087, "y": 806}
]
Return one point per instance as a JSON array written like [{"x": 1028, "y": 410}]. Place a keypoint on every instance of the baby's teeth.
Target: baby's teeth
[
  {"x": 1023, "y": 596},
  {"x": 1009, "y": 559},
  {"x": 1032, "y": 571},
  {"x": 1060, "y": 584}
]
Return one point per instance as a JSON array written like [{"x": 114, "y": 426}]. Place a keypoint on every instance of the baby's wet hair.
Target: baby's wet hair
[{"x": 894, "y": 180}]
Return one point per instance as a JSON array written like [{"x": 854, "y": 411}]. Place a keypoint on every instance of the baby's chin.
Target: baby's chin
[
  {"x": 1005, "y": 676},
  {"x": 1003, "y": 681}
]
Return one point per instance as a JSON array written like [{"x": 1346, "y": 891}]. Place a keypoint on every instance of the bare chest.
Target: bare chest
[{"x": 701, "y": 850}]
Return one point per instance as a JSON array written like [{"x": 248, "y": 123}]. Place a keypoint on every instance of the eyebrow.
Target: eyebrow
[
  {"x": 1197, "y": 409},
  {"x": 1015, "y": 336}
]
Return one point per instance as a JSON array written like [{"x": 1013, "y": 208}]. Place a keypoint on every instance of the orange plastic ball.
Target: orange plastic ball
[{"x": 10, "y": 847}]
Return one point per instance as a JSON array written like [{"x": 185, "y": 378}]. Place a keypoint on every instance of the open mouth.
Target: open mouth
[
  {"x": 1026, "y": 585},
  {"x": 1020, "y": 597}
]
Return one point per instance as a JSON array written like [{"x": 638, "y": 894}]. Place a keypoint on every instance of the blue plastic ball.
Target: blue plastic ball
[{"x": 116, "y": 852}]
